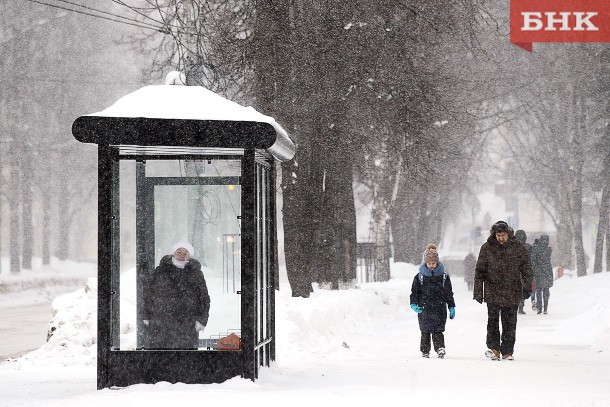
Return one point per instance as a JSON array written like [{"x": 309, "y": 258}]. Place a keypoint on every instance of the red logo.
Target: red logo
[{"x": 559, "y": 21}]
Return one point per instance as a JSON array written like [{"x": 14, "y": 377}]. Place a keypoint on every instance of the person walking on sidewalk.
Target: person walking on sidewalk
[
  {"x": 522, "y": 237},
  {"x": 543, "y": 272},
  {"x": 503, "y": 270},
  {"x": 431, "y": 295},
  {"x": 470, "y": 262},
  {"x": 533, "y": 296}
]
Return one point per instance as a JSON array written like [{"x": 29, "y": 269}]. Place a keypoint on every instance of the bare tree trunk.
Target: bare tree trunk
[
  {"x": 399, "y": 237},
  {"x": 382, "y": 240},
  {"x": 346, "y": 222},
  {"x": 564, "y": 238},
  {"x": 298, "y": 234},
  {"x": 27, "y": 235},
  {"x": 581, "y": 265},
  {"x": 402, "y": 221},
  {"x": 46, "y": 230},
  {"x": 405, "y": 218},
  {"x": 272, "y": 66},
  {"x": 337, "y": 225},
  {"x": 332, "y": 150},
  {"x": 608, "y": 249},
  {"x": 602, "y": 228},
  {"x": 1, "y": 203},
  {"x": 578, "y": 119},
  {"x": 422, "y": 226},
  {"x": 1, "y": 210},
  {"x": 14, "y": 195},
  {"x": 300, "y": 201},
  {"x": 386, "y": 180},
  {"x": 63, "y": 235}
]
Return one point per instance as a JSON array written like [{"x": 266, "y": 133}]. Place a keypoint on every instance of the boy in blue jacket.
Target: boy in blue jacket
[{"x": 431, "y": 294}]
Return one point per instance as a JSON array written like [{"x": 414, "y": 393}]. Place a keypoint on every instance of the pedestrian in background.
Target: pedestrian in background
[
  {"x": 533, "y": 296},
  {"x": 522, "y": 237},
  {"x": 543, "y": 273},
  {"x": 470, "y": 262}
]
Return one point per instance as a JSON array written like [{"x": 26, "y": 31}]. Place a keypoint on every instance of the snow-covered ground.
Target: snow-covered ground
[
  {"x": 25, "y": 301},
  {"x": 357, "y": 346}
]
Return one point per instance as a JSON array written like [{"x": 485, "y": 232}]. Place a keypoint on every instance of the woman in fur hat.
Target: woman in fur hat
[
  {"x": 431, "y": 295},
  {"x": 176, "y": 301}
]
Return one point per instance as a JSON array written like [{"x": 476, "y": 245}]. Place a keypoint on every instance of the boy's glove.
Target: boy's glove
[
  {"x": 416, "y": 308},
  {"x": 451, "y": 312},
  {"x": 478, "y": 299}
]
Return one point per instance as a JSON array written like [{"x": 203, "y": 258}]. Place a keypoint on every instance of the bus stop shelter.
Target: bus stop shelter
[{"x": 181, "y": 163}]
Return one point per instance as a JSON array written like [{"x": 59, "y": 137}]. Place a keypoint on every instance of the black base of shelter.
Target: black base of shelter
[{"x": 191, "y": 367}]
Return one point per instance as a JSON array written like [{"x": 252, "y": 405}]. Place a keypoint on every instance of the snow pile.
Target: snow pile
[
  {"x": 72, "y": 335},
  {"x": 586, "y": 313},
  {"x": 325, "y": 322}
]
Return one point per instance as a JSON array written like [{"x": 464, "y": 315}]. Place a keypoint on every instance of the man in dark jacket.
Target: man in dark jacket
[
  {"x": 503, "y": 269},
  {"x": 176, "y": 301}
]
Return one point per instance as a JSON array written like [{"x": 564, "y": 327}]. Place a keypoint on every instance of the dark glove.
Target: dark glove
[
  {"x": 451, "y": 312},
  {"x": 416, "y": 308},
  {"x": 479, "y": 300}
]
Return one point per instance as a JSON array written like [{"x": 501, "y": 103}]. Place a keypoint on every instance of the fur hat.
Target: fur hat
[
  {"x": 430, "y": 254},
  {"x": 185, "y": 245},
  {"x": 499, "y": 226}
]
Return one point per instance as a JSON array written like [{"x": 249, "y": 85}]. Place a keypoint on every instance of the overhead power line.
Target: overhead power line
[
  {"x": 125, "y": 20},
  {"x": 137, "y": 10},
  {"x": 111, "y": 14}
]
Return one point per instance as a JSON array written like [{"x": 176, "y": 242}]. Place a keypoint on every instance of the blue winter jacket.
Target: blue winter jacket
[{"x": 432, "y": 291}]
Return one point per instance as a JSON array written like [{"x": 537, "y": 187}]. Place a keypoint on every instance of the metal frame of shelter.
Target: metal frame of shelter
[{"x": 256, "y": 145}]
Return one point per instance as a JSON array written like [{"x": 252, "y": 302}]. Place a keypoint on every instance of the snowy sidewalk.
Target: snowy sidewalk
[{"x": 362, "y": 346}]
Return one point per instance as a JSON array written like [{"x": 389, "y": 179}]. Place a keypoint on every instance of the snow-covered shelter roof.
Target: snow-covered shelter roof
[{"x": 183, "y": 116}]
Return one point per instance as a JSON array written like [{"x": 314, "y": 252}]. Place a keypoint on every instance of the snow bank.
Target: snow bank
[
  {"x": 323, "y": 322},
  {"x": 72, "y": 334}
]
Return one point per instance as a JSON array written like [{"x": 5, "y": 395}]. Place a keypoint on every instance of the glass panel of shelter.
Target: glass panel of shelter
[{"x": 163, "y": 202}]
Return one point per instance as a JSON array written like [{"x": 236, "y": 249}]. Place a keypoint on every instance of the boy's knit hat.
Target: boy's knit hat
[{"x": 430, "y": 254}]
